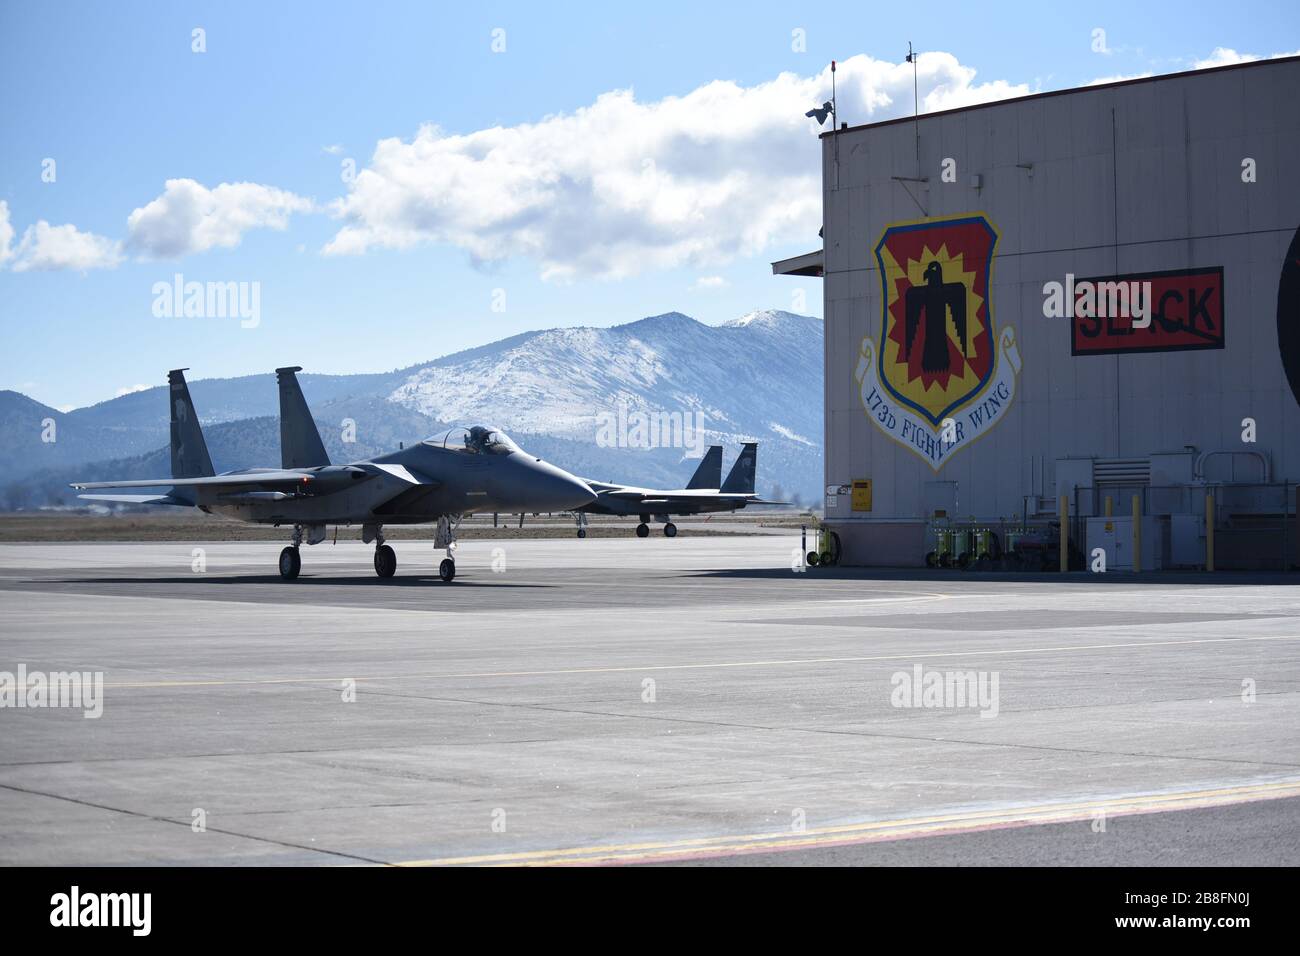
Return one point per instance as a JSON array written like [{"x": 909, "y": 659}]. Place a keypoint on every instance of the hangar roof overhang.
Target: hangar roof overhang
[{"x": 809, "y": 264}]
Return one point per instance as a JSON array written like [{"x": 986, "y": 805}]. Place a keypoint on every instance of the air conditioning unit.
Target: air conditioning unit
[{"x": 1115, "y": 537}]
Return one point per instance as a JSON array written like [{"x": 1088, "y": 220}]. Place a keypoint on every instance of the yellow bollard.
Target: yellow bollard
[
  {"x": 1137, "y": 534},
  {"x": 1209, "y": 532},
  {"x": 1065, "y": 534}
]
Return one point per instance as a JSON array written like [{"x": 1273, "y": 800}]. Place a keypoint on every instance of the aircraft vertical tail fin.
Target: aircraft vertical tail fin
[
  {"x": 709, "y": 474},
  {"x": 189, "y": 450},
  {"x": 300, "y": 444},
  {"x": 740, "y": 480}
]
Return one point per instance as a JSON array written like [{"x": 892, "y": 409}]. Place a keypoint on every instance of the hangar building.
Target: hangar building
[{"x": 964, "y": 392}]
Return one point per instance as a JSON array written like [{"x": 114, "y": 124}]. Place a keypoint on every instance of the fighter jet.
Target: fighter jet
[
  {"x": 441, "y": 479},
  {"x": 703, "y": 493}
]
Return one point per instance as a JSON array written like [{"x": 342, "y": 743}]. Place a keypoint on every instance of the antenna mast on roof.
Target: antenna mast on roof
[
  {"x": 834, "y": 114},
  {"x": 835, "y": 119},
  {"x": 916, "y": 105}
]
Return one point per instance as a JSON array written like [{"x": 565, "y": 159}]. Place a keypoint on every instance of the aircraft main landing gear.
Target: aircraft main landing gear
[
  {"x": 643, "y": 530},
  {"x": 290, "y": 557},
  {"x": 670, "y": 530},
  {"x": 385, "y": 556},
  {"x": 447, "y": 570}
]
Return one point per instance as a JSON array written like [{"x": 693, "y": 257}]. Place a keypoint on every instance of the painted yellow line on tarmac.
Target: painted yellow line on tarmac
[
  {"x": 881, "y": 830},
  {"x": 917, "y": 654}
]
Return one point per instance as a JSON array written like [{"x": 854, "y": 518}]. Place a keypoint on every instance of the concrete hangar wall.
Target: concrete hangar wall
[{"x": 1142, "y": 179}]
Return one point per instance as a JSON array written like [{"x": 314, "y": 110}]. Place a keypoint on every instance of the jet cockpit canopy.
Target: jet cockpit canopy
[{"x": 476, "y": 440}]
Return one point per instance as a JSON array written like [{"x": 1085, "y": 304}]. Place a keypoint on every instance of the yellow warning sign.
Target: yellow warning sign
[{"x": 862, "y": 494}]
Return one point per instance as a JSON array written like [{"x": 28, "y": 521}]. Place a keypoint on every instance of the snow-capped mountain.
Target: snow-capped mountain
[{"x": 756, "y": 377}]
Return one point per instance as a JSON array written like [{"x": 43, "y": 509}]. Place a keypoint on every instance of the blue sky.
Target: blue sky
[{"x": 578, "y": 213}]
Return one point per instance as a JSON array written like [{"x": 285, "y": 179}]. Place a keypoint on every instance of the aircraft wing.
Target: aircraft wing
[
  {"x": 629, "y": 494},
  {"x": 662, "y": 499},
  {"x": 138, "y": 500},
  {"x": 602, "y": 486},
  {"x": 650, "y": 494},
  {"x": 268, "y": 477}
]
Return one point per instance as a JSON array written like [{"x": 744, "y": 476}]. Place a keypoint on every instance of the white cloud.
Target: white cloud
[
  {"x": 188, "y": 217},
  {"x": 6, "y": 234},
  {"x": 711, "y": 282},
  {"x": 621, "y": 186},
  {"x": 334, "y": 149},
  {"x": 48, "y": 248},
  {"x": 1224, "y": 56},
  {"x": 1220, "y": 56},
  {"x": 129, "y": 389},
  {"x": 1119, "y": 78}
]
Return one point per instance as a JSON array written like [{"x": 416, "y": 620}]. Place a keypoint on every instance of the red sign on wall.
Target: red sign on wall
[{"x": 1186, "y": 310}]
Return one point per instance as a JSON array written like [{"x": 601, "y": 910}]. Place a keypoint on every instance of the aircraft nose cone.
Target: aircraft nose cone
[{"x": 557, "y": 490}]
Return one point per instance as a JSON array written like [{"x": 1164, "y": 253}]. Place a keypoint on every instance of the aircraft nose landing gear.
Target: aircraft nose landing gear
[
  {"x": 385, "y": 561},
  {"x": 290, "y": 563},
  {"x": 445, "y": 537}
]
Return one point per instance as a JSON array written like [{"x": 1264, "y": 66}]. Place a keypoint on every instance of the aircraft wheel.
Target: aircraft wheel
[
  {"x": 670, "y": 530},
  {"x": 290, "y": 563},
  {"x": 932, "y": 559},
  {"x": 643, "y": 530},
  {"x": 447, "y": 570},
  {"x": 812, "y": 559},
  {"x": 582, "y": 532},
  {"x": 385, "y": 561}
]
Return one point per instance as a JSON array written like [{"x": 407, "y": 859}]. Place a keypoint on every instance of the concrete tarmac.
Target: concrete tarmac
[{"x": 651, "y": 700}]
